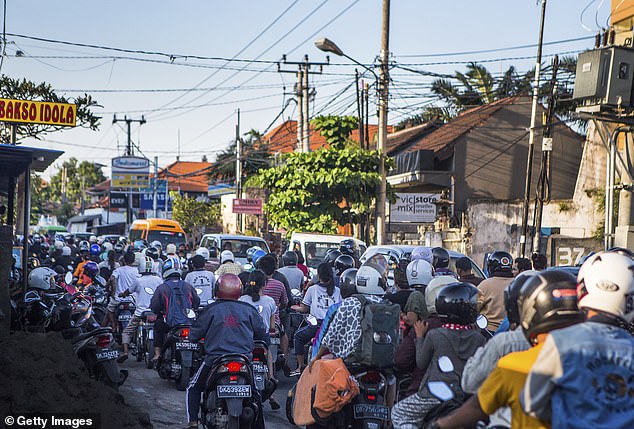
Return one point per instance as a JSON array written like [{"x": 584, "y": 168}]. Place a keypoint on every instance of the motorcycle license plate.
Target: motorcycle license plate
[
  {"x": 259, "y": 381},
  {"x": 275, "y": 340},
  {"x": 124, "y": 317},
  {"x": 371, "y": 411},
  {"x": 260, "y": 367},
  {"x": 187, "y": 346},
  {"x": 109, "y": 355},
  {"x": 150, "y": 334},
  {"x": 234, "y": 391}
]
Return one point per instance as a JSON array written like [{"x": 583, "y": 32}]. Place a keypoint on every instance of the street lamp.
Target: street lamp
[{"x": 328, "y": 45}]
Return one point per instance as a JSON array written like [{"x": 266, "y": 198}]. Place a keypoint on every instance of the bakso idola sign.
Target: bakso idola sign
[{"x": 38, "y": 112}]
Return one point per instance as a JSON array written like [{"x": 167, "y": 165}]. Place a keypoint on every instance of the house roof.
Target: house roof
[{"x": 187, "y": 176}]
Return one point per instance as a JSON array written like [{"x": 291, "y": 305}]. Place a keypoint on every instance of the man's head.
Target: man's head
[
  {"x": 129, "y": 258},
  {"x": 172, "y": 268},
  {"x": 463, "y": 266},
  {"x": 419, "y": 273},
  {"x": 170, "y": 249},
  {"x": 512, "y": 294},
  {"x": 267, "y": 264},
  {"x": 400, "y": 274},
  {"x": 198, "y": 262},
  {"x": 440, "y": 257},
  {"x": 539, "y": 261},
  {"x": 520, "y": 265}
]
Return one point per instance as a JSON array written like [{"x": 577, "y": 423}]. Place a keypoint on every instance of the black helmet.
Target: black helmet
[
  {"x": 348, "y": 282},
  {"x": 197, "y": 262},
  {"x": 343, "y": 262},
  {"x": 348, "y": 247},
  {"x": 457, "y": 303},
  {"x": 289, "y": 258},
  {"x": 499, "y": 261},
  {"x": 152, "y": 252},
  {"x": 440, "y": 257},
  {"x": 548, "y": 301},
  {"x": 512, "y": 294},
  {"x": 331, "y": 256}
]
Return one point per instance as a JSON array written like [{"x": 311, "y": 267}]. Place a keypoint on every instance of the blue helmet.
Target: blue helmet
[
  {"x": 172, "y": 267},
  {"x": 95, "y": 249},
  {"x": 257, "y": 255}
]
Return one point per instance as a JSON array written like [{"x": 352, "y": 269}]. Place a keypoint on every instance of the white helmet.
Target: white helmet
[
  {"x": 203, "y": 251},
  {"x": 107, "y": 246},
  {"x": 422, "y": 252},
  {"x": 65, "y": 251},
  {"x": 226, "y": 255},
  {"x": 419, "y": 273},
  {"x": 433, "y": 289},
  {"x": 156, "y": 244},
  {"x": 59, "y": 244},
  {"x": 170, "y": 249},
  {"x": 42, "y": 278},
  {"x": 606, "y": 284},
  {"x": 92, "y": 239},
  {"x": 370, "y": 281},
  {"x": 139, "y": 258},
  {"x": 146, "y": 265}
]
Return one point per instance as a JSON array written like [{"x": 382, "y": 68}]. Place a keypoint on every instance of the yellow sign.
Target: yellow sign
[
  {"x": 38, "y": 112},
  {"x": 129, "y": 180}
]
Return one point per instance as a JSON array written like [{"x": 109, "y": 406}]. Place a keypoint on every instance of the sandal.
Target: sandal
[
  {"x": 122, "y": 358},
  {"x": 274, "y": 404}
]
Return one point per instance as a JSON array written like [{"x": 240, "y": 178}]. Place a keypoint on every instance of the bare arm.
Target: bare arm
[{"x": 467, "y": 415}]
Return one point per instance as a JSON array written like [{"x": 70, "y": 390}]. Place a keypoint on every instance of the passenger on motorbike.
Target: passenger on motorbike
[
  {"x": 456, "y": 339},
  {"x": 142, "y": 297},
  {"x": 107, "y": 267},
  {"x": 491, "y": 300},
  {"x": 547, "y": 302},
  {"x": 293, "y": 274},
  {"x": 225, "y": 318},
  {"x": 201, "y": 279},
  {"x": 121, "y": 280},
  {"x": 403, "y": 290},
  {"x": 440, "y": 262}
]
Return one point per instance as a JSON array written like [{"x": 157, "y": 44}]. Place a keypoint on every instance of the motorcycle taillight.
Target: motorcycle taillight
[
  {"x": 184, "y": 333},
  {"x": 233, "y": 367},
  {"x": 258, "y": 351},
  {"x": 371, "y": 377},
  {"x": 103, "y": 341}
]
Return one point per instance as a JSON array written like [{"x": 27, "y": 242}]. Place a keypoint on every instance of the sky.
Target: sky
[{"x": 189, "y": 65}]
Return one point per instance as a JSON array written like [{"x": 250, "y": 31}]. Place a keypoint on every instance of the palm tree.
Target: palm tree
[{"x": 255, "y": 155}]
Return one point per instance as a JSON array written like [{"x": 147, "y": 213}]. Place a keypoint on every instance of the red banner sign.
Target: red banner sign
[{"x": 251, "y": 206}]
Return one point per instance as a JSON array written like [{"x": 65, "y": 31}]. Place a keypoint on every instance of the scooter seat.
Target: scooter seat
[{"x": 99, "y": 331}]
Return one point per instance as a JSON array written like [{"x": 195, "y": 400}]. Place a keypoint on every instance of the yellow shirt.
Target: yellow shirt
[{"x": 504, "y": 386}]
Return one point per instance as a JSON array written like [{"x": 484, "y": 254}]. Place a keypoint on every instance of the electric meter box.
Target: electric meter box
[{"x": 605, "y": 77}]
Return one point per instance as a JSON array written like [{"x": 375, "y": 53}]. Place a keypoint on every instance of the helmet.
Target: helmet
[
  {"x": 499, "y": 261},
  {"x": 91, "y": 269},
  {"x": 433, "y": 288},
  {"x": 147, "y": 265},
  {"x": 66, "y": 251},
  {"x": 118, "y": 247},
  {"x": 512, "y": 294},
  {"x": 139, "y": 245},
  {"x": 107, "y": 246},
  {"x": 343, "y": 262},
  {"x": 424, "y": 253},
  {"x": 228, "y": 286},
  {"x": 152, "y": 252},
  {"x": 37, "y": 238},
  {"x": 440, "y": 257},
  {"x": 42, "y": 278},
  {"x": 156, "y": 244},
  {"x": 198, "y": 262},
  {"x": 289, "y": 258},
  {"x": 419, "y": 272},
  {"x": 250, "y": 251},
  {"x": 256, "y": 256},
  {"x": 172, "y": 267},
  {"x": 226, "y": 255},
  {"x": 139, "y": 258},
  {"x": 548, "y": 300},
  {"x": 202, "y": 251},
  {"x": 92, "y": 239},
  {"x": 170, "y": 249},
  {"x": 370, "y": 281},
  {"x": 606, "y": 285},
  {"x": 95, "y": 249},
  {"x": 348, "y": 282},
  {"x": 33, "y": 263},
  {"x": 331, "y": 256},
  {"x": 458, "y": 303},
  {"x": 348, "y": 247},
  {"x": 58, "y": 243}
]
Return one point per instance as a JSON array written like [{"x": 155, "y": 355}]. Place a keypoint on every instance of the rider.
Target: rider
[
  {"x": 547, "y": 302},
  {"x": 225, "y": 318},
  {"x": 228, "y": 264},
  {"x": 293, "y": 274},
  {"x": 465, "y": 273},
  {"x": 122, "y": 279},
  {"x": 349, "y": 247},
  {"x": 202, "y": 279},
  {"x": 584, "y": 376},
  {"x": 403, "y": 290},
  {"x": 491, "y": 300},
  {"x": 142, "y": 298}
]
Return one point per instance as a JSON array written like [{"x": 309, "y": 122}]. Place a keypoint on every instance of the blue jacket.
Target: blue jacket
[{"x": 228, "y": 327}]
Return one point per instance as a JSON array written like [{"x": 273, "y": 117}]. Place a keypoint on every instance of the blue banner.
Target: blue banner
[{"x": 147, "y": 201}]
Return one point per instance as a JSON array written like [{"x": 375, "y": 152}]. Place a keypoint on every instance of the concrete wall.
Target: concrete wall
[{"x": 228, "y": 218}]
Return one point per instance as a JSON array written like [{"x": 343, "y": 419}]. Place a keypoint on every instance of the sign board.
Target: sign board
[
  {"x": 147, "y": 201},
  {"x": 568, "y": 251},
  {"x": 38, "y": 112},
  {"x": 251, "y": 206},
  {"x": 415, "y": 208},
  {"x": 118, "y": 200},
  {"x": 130, "y": 172}
]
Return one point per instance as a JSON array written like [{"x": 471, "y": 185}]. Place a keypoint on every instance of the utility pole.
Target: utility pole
[
  {"x": 303, "y": 97},
  {"x": 383, "y": 100},
  {"x": 360, "y": 106},
  {"x": 156, "y": 183},
  {"x": 366, "y": 93},
  {"x": 129, "y": 151},
  {"x": 531, "y": 139},
  {"x": 238, "y": 171}
]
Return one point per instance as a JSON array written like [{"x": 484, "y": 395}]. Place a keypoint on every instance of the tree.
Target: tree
[
  {"x": 27, "y": 90},
  {"x": 255, "y": 155},
  {"x": 195, "y": 215},
  {"x": 316, "y": 191},
  {"x": 72, "y": 179}
]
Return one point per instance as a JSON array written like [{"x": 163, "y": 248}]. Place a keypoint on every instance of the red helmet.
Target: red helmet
[{"x": 228, "y": 286}]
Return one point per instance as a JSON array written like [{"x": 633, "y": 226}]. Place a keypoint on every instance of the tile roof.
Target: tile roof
[{"x": 187, "y": 176}]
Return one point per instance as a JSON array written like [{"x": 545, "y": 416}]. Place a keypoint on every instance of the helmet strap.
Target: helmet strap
[{"x": 611, "y": 319}]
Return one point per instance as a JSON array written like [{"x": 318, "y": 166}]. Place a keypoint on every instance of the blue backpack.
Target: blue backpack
[{"x": 178, "y": 304}]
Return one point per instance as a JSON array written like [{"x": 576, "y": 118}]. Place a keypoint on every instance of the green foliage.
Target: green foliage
[
  {"x": 79, "y": 176},
  {"x": 255, "y": 155},
  {"x": 27, "y": 90},
  {"x": 316, "y": 191},
  {"x": 194, "y": 215}
]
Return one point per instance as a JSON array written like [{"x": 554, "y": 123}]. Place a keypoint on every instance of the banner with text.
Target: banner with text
[
  {"x": 130, "y": 172},
  {"x": 251, "y": 206},
  {"x": 414, "y": 208},
  {"x": 38, "y": 112}
]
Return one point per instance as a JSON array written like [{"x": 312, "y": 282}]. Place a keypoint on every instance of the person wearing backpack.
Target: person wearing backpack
[{"x": 171, "y": 303}]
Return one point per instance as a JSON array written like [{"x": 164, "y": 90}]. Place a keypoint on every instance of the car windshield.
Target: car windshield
[
  {"x": 166, "y": 237},
  {"x": 316, "y": 251},
  {"x": 239, "y": 247}
]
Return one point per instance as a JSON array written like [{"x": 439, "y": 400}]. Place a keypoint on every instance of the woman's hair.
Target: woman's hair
[
  {"x": 257, "y": 280},
  {"x": 111, "y": 259},
  {"x": 324, "y": 271},
  {"x": 300, "y": 257}
]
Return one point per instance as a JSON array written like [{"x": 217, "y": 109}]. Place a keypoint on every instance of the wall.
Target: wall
[{"x": 228, "y": 218}]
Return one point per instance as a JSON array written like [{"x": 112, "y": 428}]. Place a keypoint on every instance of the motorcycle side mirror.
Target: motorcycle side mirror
[
  {"x": 199, "y": 291},
  {"x": 31, "y": 296},
  {"x": 191, "y": 314},
  {"x": 440, "y": 390},
  {"x": 482, "y": 322},
  {"x": 312, "y": 321},
  {"x": 149, "y": 291},
  {"x": 445, "y": 364},
  {"x": 210, "y": 301},
  {"x": 296, "y": 293},
  {"x": 68, "y": 278}
]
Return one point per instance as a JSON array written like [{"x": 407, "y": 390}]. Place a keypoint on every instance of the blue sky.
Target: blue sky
[{"x": 222, "y": 29}]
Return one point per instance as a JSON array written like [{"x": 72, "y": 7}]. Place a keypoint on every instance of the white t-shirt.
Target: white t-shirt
[
  {"x": 125, "y": 276},
  {"x": 202, "y": 280},
  {"x": 266, "y": 307},
  {"x": 318, "y": 300},
  {"x": 142, "y": 297}
]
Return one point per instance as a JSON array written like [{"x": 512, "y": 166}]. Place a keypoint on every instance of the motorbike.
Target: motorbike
[
  {"x": 450, "y": 396},
  {"x": 178, "y": 357},
  {"x": 123, "y": 314},
  {"x": 143, "y": 346},
  {"x": 229, "y": 399},
  {"x": 97, "y": 291},
  {"x": 259, "y": 365}
]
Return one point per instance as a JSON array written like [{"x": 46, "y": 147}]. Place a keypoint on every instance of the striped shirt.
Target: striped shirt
[
  {"x": 276, "y": 290},
  {"x": 229, "y": 267}
]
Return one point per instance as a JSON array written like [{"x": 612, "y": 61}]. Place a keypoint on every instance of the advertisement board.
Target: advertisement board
[
  {"x": 38, "y": 112},
  {"x": 414, "y": 208},
  {"x": 118, "y": 200},
  {"x": 251, "y": 206},
  {"x": 130, "y": 172},
  {"x": 147, "y": 201}
]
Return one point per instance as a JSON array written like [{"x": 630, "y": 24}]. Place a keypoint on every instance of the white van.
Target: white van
[
  {"x": 238, "y": 244},
  {"x": 315, "y": 246}
]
